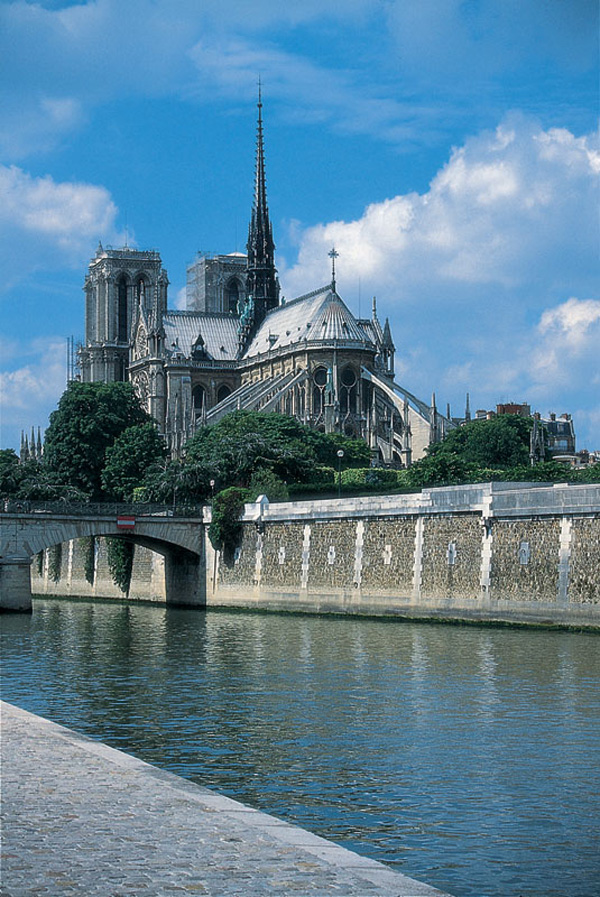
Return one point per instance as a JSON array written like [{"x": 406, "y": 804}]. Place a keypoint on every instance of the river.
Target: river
[{"x": 465, "y": 756}]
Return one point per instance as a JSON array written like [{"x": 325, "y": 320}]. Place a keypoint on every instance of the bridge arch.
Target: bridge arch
[{"x": 180, "y": 541}]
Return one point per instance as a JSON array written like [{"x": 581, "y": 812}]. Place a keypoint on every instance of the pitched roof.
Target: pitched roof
[
  {"x": 218, "y": 331},
  {"x": 320, "y": 316}
]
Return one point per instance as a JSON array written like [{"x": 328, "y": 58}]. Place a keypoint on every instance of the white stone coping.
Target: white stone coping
[{"x": 490, "y": 500}]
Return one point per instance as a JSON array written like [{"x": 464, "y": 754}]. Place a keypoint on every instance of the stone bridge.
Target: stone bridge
[{"x": 178, "y": 535}]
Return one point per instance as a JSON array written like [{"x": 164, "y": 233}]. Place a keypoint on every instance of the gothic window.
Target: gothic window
[
  {"x": 223, "y": 392},
  {"x": 122, "y": 328},
  {"x": 232, "y": 296},
  {"x": 199, "y": 398},
  {"x": 320, "y": 382},
  {"x": 348, "y": 391}
]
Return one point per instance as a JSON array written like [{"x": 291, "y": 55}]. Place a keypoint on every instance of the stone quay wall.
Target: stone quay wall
[
  {"x": 147, "y": 578},
  {"x": 499, "y": 551}
]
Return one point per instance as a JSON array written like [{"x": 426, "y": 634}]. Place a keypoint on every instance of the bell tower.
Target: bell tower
[{"x": 118, "y": 283}]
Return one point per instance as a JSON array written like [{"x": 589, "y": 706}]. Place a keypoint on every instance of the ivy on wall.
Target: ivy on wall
[
  {"x": 39, "y": 563},
  {"x": 55, "y": 562},
  {"x": 88, "y": 550},
  {"x": 120, "y": 561},
  {"x": 225, "y": 529}
]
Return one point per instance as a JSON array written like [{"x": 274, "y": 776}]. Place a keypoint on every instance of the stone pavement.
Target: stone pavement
[{"x": 80, "y": 818}]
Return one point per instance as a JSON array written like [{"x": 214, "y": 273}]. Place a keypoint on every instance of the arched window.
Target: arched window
[
  {"x": 223, "y": 392},
  {"x": 348, "y": 391},
  {"x": 232, "y": 296},
  {"x": 320, "y": 382},
  {"x": 122, "y": 322}
]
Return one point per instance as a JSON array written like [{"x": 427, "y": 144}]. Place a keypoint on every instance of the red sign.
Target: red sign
[{"x": 125, "y": 522}]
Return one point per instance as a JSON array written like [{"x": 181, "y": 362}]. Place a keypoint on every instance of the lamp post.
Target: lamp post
[
  {"x": 212, "y": 491},
  {"x": 340, "y": 455}
]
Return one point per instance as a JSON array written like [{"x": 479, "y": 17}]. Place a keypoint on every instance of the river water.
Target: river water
[{"x": 468, "y": 757}]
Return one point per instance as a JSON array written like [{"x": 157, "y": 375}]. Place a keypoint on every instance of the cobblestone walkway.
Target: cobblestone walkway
[{"x": 80, "y": 818}]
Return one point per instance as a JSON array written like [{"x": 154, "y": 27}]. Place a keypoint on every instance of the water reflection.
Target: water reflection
[{"x": 464, "y": 756}]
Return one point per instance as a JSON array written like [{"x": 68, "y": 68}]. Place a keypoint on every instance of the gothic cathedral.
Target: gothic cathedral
[{"x": 238, "y": 346}]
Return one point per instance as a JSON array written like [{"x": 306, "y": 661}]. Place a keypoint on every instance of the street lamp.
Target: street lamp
[
  {"x": 340, "y": 455},
  {"x": 212, "y": 490}
]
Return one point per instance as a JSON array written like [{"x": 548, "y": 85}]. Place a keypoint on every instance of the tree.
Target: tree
[
  {"x": 10, "y": 472},
  {"x": 265, "y": 482},
  {"x": 129, "y": 458},
  {"x": 500, "y": 442},
  {"x": 246, "y": 441},
  {"x": 86, "y": 423}
]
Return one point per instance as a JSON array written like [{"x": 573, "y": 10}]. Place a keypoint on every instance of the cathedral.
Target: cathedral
[{"x": 238, "y": 345}]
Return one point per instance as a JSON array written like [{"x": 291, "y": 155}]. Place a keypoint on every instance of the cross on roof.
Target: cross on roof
[{"x": 333, "y": 255}]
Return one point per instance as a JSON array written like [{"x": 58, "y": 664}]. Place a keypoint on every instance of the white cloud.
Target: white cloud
[
  {"x": 29, "y": 393},
  {"x": 511, "y": 207},
  {"x": 477, "y": 270},
  {"x": 576, "y": 320},
  {"x": 62, "y": 219}
]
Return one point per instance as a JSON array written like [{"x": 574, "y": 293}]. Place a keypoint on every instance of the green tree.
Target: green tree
[
  {"x": 265, "y": 482},
  {"x": 127, "y": 461},
  {"x": 231, "y": 450},
  {"x": 500, "y": 442},
  {"x": 86, "y": 423},
  {"x": 10, "y": 472}
]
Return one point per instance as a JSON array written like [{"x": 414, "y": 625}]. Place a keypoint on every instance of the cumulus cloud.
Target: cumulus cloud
[
  {"x": 30, "y": 393},
  {"x": 477, "y": 270},
  {"x": 507, "y": 209},
  {"x": 577, "y": 320},
  {"x": 63, "y": 218}
]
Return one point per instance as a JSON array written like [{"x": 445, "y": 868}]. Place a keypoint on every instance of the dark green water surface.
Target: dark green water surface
[{"x": 464, "y": 756}]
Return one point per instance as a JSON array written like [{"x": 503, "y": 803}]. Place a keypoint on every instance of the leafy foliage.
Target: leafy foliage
[
  {"x": 244, "y": 442},
  {"x": 89, "y": 417},
  {"x": 225, "y": 529},
  {"x": 127, "y": 461},
  {"x": 500, "y": 442},
  {"x": 265, "y": 482},
  {"x": 10, "y": 472},
  {"x": 88, "y": 548},
  {"x": 55, "y": 562},
  {"x": 120, "y": 561}
]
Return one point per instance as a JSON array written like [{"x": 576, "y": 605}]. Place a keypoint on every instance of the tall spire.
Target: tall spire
[{"x": 262, "y": 282}]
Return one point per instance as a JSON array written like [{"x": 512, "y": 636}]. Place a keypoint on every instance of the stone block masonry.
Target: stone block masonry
[{"x": 509, "y": 552}]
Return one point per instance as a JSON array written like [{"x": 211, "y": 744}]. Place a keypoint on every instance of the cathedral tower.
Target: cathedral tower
[
  {"x": 118, "y": 284},
  {"x": 262, "y": 282}
]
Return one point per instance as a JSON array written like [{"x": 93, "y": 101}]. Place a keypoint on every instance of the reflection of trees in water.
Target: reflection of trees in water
[{"x": 396, "y": 737}]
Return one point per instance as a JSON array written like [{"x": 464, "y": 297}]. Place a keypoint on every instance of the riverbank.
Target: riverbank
[{"x": 83, "y": 818}]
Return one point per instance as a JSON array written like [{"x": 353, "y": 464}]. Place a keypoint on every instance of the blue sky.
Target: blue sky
[{"x": 448, "y": 148}]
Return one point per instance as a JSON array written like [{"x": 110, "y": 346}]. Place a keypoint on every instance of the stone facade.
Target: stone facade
[
  {"x": 525, "y": 560},
  {"x": 389, "y": 555},
  {"x": 495, "y": 552},
  {"x": 584, "y": 579},
  {"x": 451, "y": 557},
  {"x": 147, "y": 578}
]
